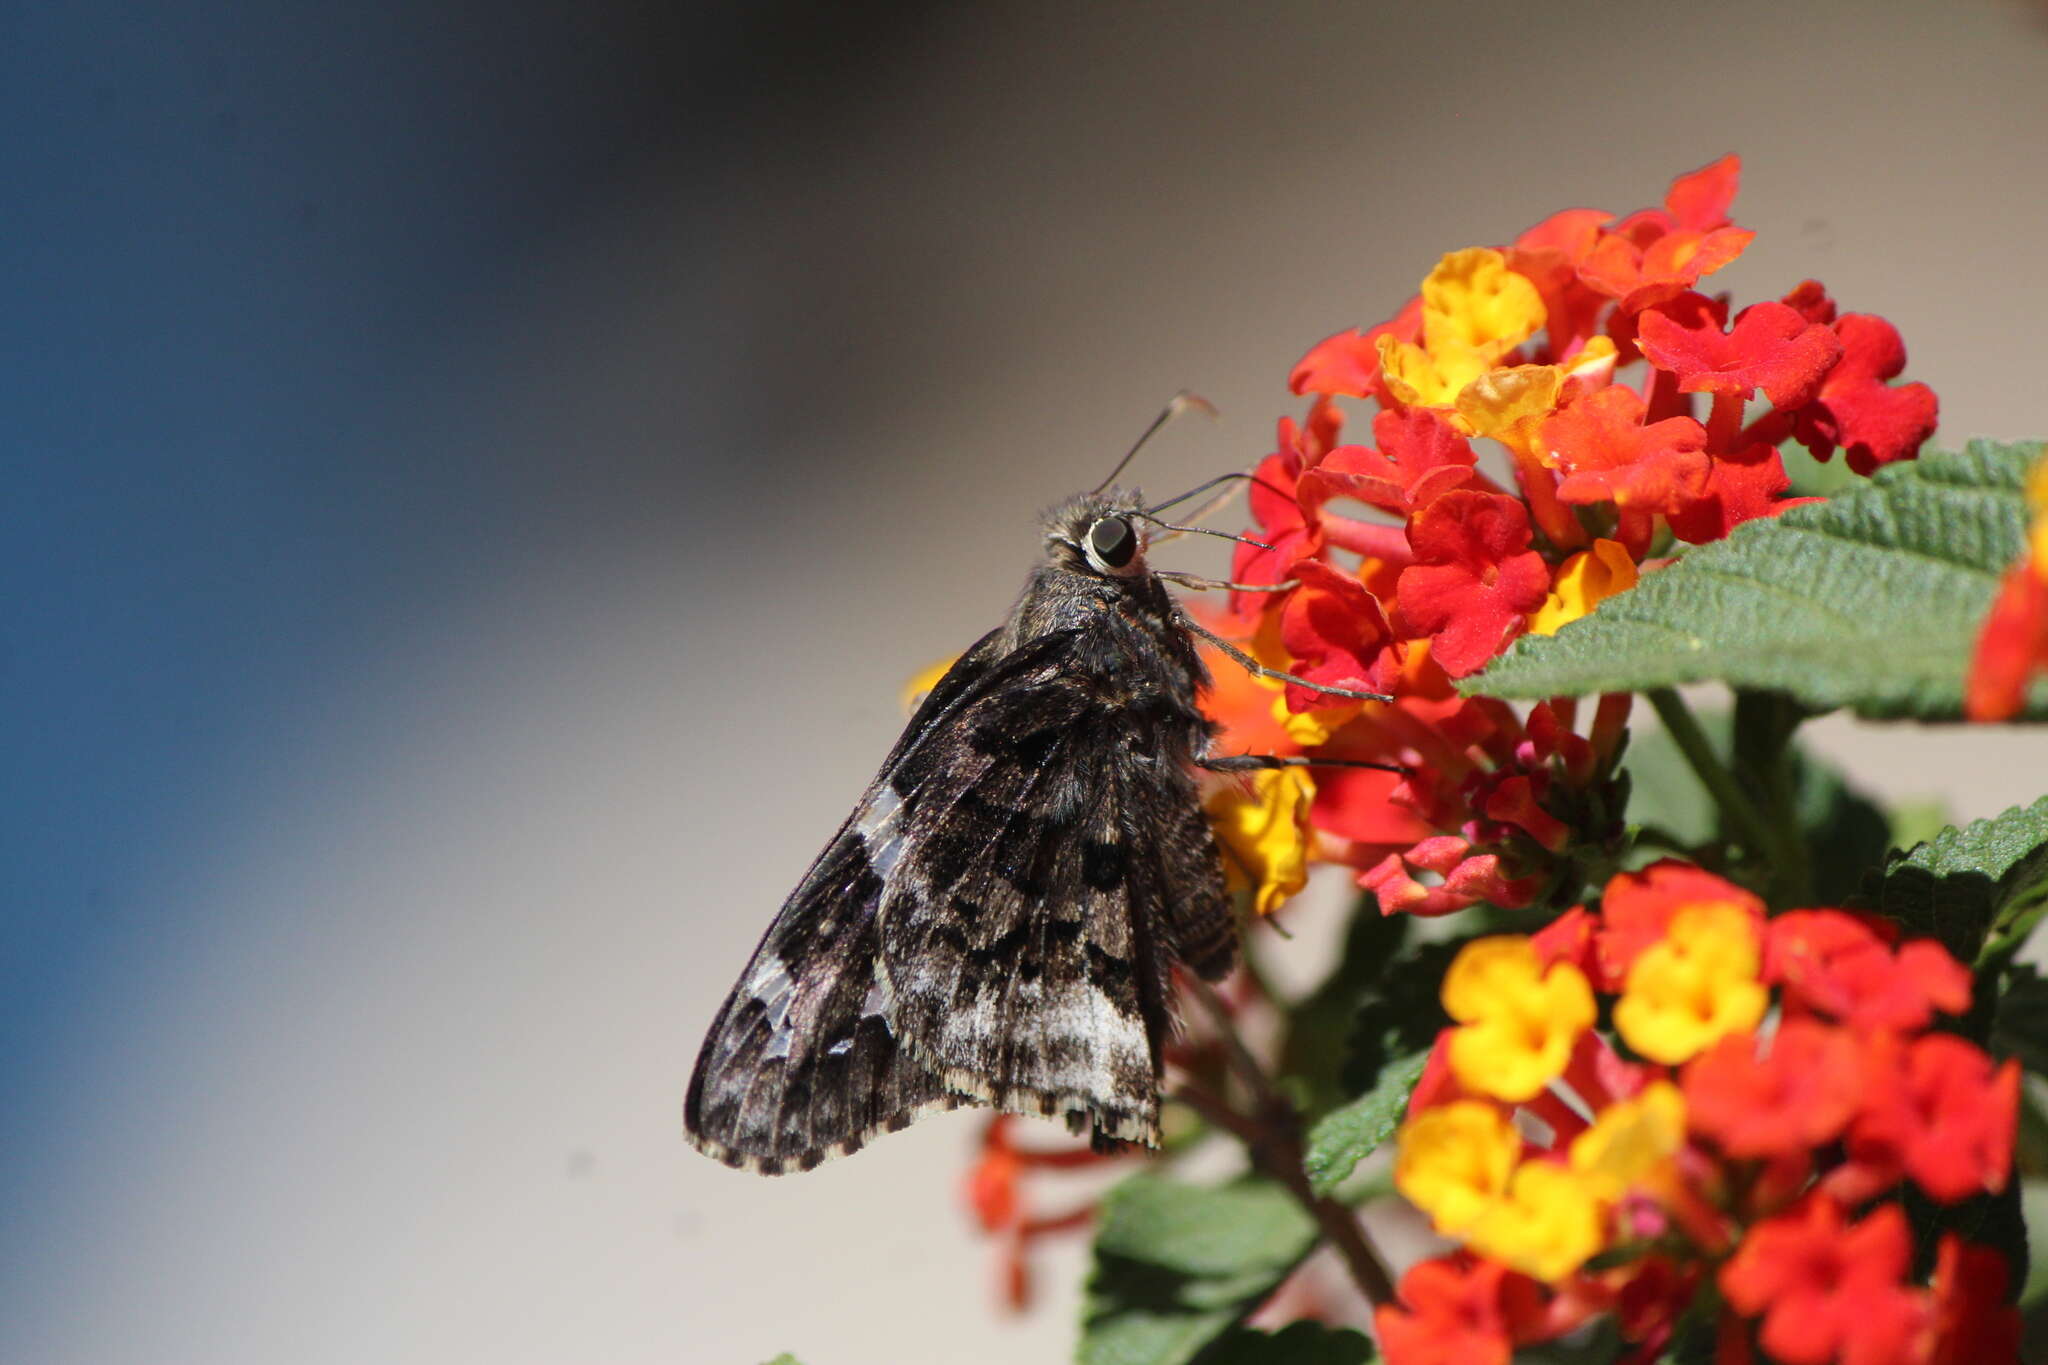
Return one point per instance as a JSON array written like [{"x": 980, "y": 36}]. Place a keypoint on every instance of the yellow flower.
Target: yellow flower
[
  {"x": 1265, "y": 834},
  {"x": 1631, "y": 1141},
  {"x": 1695, "y": 986},
  {"x": 1549, "y": 1224},
  {"x": 1316, "y": 727},
  {"x": 1432, "y": 377},
  {"x": 1454, "y": 1162},
  {"x": 924, "y": 680},
  {"x": 1474, "y": 311},
  {"x": 1587, "y": 579},
  {"x": 1472, "y": 300},
  {"x": 1507, "y": 403},
  {"x": 1518, "y": 1021}
]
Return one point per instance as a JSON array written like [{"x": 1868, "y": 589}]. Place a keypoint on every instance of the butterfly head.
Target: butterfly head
[{"x": 1099, "y": 533}]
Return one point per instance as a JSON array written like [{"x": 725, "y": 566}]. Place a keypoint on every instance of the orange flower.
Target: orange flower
[
  {"x": 1798, "y": 1095},
  {"x": 1827, "y": 1289},
  {"x": 1456, "y": 1310}
]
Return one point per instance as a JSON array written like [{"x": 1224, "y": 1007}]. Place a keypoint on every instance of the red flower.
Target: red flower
[
  {"x": 1458, "y": 1310},
  {"x": 1810, "y": 301},
  {"x": 1828, "y": 1290},
  {"x": 1475, "y": 579},
  {"x": 992, "y": 1183},
  {"x": 2011, "y": 647},
  {"x": 1973, "y": 1324},
  {"x": 1420, "y": 458},
  {"x": 1606, "y": 454},
  {"x": 1641, "y": 266},
  {"x": 1360, "y": 806},
  {"x": 1832, "y": 962},
  {"x": 1700, "y": 199},
  {"x": 1336, "y": 635},
  {"x": 1741, "y": 486},
  {"x": 1857, "y": 410},
  {"x": 1550, "y": 741},
  {"x": 1293, "y": 532},
  {"x": 995, "y": 1193},
  {"x": 1458, "y": 878},
  {"x": 1649, "y": 1302},
  {"x": 1568, "y": 938},
  {"x": 1512, "y": 799},
  {"x": 1795, "y": 1097},
  {"x": 1349, "y": 362},
  {"x": 1548, "y": 256},
  {"x": 1938, "y": 1111},
  {"x": 1770, "y": 347}
]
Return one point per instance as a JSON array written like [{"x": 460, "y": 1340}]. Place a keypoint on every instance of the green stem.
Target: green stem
[
  {"x": 1273, "y": 1138},
  {"x": 1764, "y": 725},
  {"x": 1737, "y": 809}
]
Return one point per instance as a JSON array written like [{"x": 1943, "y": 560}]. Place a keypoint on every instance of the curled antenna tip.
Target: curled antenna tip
[{"x": 1184, "y": 400}]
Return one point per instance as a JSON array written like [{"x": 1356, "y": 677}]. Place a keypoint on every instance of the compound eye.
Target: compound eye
[{"x": 1113, "y": 541}]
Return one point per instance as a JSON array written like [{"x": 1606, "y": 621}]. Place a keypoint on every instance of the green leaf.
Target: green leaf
[
  {"x": 2020, "y": 1027},
  {"x": 784, "y": 1359},
  {"x": 2034, "y": 1204},
  {"x": 1298, "y": 1343},
  {"x": 1344, "y": 1137},
  {"x": 1177, "y": 1265},
  {"x": 1871, "y": 600},
  {"x": 1969, "y": 887}
]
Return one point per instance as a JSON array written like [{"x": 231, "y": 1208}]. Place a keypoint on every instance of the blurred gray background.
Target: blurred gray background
[{"x": 481, "y": 473}]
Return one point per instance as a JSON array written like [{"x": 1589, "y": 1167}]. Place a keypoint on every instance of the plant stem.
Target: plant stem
[
  {"x": 1740, "y": 812},
  {"x": 1272, "y": 1136},
  {"x": 1764, "y": 725}
]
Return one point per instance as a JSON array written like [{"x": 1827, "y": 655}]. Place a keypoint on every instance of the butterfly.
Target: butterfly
[{"x": 998, "y": 920}]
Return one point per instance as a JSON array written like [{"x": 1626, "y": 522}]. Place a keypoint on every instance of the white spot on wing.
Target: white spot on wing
[
  {"x": 880, "y": 811},
  {"x": 769, "y": 982},
  {"x": 878, "y": 830}
]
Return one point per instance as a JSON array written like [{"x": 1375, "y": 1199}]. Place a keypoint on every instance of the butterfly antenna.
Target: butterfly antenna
[
  {"x": 1201, "y": 531},
  {"x": 1182, "y": 401},
  {"x": 1201, "y": 488}
]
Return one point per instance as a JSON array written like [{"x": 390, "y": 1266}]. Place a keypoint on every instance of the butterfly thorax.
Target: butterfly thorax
[{"x": 1125, "y": 623}]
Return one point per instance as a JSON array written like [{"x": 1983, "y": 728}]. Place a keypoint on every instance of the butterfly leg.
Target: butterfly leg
[
  {"x": 1242, "y": 763},
  {"x": 1259, "y": 670},
  {"x": 1188, "y": 580}
]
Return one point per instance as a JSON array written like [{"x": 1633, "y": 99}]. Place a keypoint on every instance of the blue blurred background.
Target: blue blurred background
[{"x": 483, "y": 471}]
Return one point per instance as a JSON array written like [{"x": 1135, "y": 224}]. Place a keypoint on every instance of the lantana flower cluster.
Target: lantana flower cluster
[
  {"x": 1669, "y": 1108},
  {"x": 1626, "y": 411},
  {"x": 1767, "y": 1088}
]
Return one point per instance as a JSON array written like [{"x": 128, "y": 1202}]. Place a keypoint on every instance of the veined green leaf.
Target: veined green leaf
[
  {"x": 1178, "y": 1265},
  {"x": 1871, "y": 600},
  {"x": 1348, "y": 1135},
  {"x": 1967, "y": 886}
]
